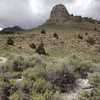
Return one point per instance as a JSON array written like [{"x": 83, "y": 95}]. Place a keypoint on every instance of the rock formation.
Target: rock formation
[{"x": 60, "y": 15}]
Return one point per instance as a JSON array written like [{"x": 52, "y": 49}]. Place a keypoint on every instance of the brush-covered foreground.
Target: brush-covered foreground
[{"x": 30, "y": 76}]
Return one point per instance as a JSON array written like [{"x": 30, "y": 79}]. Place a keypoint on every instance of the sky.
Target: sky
[{"x": 31, "y": 13}]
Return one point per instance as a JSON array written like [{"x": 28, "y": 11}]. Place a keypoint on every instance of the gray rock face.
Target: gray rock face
[{"x": 59, "y": 15}]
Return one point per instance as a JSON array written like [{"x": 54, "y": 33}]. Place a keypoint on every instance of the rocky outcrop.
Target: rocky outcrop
[{"x": 60, "y": 15}]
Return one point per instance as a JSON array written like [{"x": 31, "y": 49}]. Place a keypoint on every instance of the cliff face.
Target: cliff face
[{"x": 60, "y": 15}]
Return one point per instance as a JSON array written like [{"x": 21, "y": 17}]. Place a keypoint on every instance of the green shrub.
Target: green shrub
[
  {"x": 90, "y": 96},
  {"x": 34, "y": 73},
  {"x": 48, "y": 95},
  {"x": 21, "y": 63},
  {"x": 95, "y": 80},
  {"x": 5, "y": 68},
  {"x": 41, "y": 85},
  {"x": 25, "y": 86},
  {"x": 36, "y": 96},
  {"x": 15, "y": 96}
]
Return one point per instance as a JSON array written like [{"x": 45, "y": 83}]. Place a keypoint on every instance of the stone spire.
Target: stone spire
[{"x": 59, "y": 14}]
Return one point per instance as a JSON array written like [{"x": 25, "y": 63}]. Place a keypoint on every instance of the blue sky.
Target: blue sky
[{"x": 30, "y": 13}]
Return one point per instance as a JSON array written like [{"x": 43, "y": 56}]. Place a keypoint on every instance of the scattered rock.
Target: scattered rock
[
  {"x": 3, "y": 60},
  {"x": 83, "y": 84}
]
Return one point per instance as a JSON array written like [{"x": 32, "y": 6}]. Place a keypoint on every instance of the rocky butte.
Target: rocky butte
[{"x": 60, "y": 15}]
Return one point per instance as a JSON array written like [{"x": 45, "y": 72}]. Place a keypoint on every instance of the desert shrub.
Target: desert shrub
[
  {"x": 43, "y": 31},
  {"x": 21, "y": 63},
  {"x": 94, "y": 95},
  {"x": 18, "y": 95},
  {"x": 4, "y": 88},
  {"x": 55, "y": 35},
  {"x": 57, "y": 96},
  {"x": 86, "y": 33},
  {"x": 41, "y": 85},
  {"x": 32, "y": 45},
  {"x": 80, "y": 37},
  {"x": 15, "y": 75},
  {"x": 31, "y": 74},
  {"x": 10, "y": 41},
  {"x": 74, "y": 60},
  {"x": 34, "y": 73},
  {"x": 36, "y": 96},
  {"x": 90, "y": 40},
  {"x": 48, "y": 95},
  {"x": 25, "y": 86},
  {"x": 83, "y": 68},
  {"x": 5, "y": 68},
  {"x": 95, "y": 29},
  {"x": 62, "y": 79},
  {"x": 15, "y": 96},
  {"x": 95, "y": 79},
  {"x": 41, "y": 50}
]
